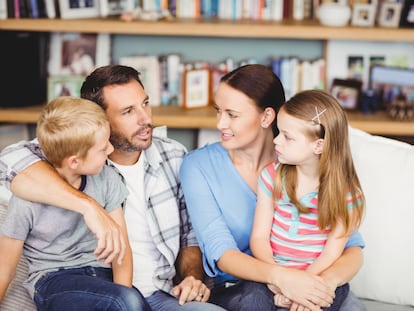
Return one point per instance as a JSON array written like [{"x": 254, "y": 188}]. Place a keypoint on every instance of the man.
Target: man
[{"x": 162, "y": 239}]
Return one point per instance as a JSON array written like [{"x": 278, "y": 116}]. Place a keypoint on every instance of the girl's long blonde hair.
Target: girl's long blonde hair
[{"x": 337, "y": 174}]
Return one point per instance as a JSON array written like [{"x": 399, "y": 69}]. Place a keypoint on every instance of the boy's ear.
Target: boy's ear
[
  {"x": 72, "y": 161},
  {"x": 318, "y": 148}
]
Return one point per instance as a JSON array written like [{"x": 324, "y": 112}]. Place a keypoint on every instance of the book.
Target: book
[
  {"x": 3, "y": 9},
  {"x": 50, "y": 8}
]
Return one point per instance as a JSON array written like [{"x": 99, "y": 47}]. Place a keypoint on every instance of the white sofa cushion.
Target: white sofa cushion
[
  {"x": 386, "y": 171},
  {"x": 17, "y": 298}
]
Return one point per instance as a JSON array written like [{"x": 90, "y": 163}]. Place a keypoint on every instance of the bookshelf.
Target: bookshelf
[
  {"x": 307, "y": 30},
  {"x": 176, "y": 117}
]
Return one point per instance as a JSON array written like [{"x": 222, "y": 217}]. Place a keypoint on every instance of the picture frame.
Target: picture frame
[
  {"x": 407, "y": 14},
  {"x": 115, "y": 7},
  {"x": 149, "y": 72},
  {"x": 363, "y": 15},
  {"x": 78, "y": 8},
  {"x": 387, "y": 82},
  {"x": 389, "y": 14},
  {"x": 347, "y": 92},
  {"x": 63, "y": 86},
  {"x": 78, "y": 53},
  {"x": 196, "y": 88}
]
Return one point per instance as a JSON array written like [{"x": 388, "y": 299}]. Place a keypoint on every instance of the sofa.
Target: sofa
[{"x": 386, "y": 171}]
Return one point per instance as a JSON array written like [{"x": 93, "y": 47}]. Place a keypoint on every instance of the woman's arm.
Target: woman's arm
[
  {"x": 122, "y": 272},
  {"x": 300, "y": 286}
]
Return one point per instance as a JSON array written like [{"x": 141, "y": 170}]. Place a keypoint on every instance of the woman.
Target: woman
[{"x": 220, "y": 182}]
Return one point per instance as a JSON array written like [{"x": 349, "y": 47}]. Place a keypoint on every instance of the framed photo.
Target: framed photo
[
  {"x": 196, "y": 88},
  {"x": 407, "y": 14},
  {"x": 390, "y": 82},
  {"x": 389, "y": 15},
  {"x": 363, "y": 15},
  {"x": 115, "y": 7},
  {"x": 149, "y": 73},
  {"x": 78, "y": 53},
  {"x": 79, "y": 8},
  {"x": 63, "y": 86},
  {"x": 347, "y": 92}
]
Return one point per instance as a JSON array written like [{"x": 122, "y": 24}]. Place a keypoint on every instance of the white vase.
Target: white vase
[{"x": 334, "y": 14}]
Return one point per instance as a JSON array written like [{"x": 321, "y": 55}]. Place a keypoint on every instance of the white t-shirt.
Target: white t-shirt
[{"x": 145, "y": 254}]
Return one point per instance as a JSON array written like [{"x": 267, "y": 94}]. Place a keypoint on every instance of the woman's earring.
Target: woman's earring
[{"x": 264, "y": 125}]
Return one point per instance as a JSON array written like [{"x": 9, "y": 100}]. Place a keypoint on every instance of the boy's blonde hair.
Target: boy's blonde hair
[
  {"x": 337, "y": 174},
  {"x": 67, "y": 126}
]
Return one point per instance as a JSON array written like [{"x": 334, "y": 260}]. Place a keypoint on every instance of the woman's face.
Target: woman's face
[{"x": 238, "y": 118}]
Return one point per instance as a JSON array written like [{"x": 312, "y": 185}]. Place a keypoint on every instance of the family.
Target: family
[{"x": 127, "y": 219}]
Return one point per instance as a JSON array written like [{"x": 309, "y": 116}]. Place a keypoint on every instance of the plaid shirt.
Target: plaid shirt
[{"x": 168, "y": 219}]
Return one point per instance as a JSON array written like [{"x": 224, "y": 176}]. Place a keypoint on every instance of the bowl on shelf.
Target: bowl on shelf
[{"x": 334, "y": 14}]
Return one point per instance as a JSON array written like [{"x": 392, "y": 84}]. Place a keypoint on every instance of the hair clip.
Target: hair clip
[{"x": 318, "y": 114}]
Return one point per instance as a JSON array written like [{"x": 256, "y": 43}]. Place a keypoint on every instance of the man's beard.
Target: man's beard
[{"x": 121, "y": 142}]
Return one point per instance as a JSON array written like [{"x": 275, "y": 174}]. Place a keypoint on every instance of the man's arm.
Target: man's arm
[
  {"x": 40, "y": 183},
  {"x": 191, "y": 274}
]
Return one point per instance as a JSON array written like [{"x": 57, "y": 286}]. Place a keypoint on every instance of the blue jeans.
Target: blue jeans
[
  {"x": 86, "y": 288},
  {"x": 161, "y": 301},
  {"x": 251, "y": 296},
  {"x": 243, "y": 296}
]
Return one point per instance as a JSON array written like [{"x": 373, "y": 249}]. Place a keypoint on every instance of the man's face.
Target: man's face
[{"x": 130, "y": 116}]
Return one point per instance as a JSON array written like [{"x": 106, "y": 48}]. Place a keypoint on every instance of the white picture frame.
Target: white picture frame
[
  {"x": 115, "y": 7},
  {"x": 196, "y": 88},
  {"x": 149, "y": 69},
  {"x": 79, "y": 8},
  {"x": 389, "y": 14},
  {"x": 65, "y": 46},
  {"x": 63, "y": 86},
  {"x": 363, "y": 15}
]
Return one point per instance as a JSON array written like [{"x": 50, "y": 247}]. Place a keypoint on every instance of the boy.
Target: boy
[{"x": 63, "y": 271}]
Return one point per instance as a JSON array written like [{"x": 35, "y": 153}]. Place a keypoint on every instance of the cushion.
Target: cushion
[
  {"x": 386, "y": 171},
  {"x": 17, "y": 298}
]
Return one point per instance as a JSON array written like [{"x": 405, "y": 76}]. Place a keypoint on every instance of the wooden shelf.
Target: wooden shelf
[
  {"x": 310, "y": 30},
  {"x": 177, "y": 117}
]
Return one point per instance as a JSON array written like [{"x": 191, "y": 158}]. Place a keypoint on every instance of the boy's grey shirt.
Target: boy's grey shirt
[{"x": 57, "y": 238}]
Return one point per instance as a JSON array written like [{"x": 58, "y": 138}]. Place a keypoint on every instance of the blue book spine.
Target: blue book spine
[
  {"x": 214, "y": 8},
  {"x": 35, "y": 10}
]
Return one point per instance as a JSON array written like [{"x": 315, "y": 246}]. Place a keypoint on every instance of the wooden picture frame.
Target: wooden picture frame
[
  {"x": 347, "y": 92},
  {"x": 389, "y": 14},
  {"x": 78, "y": 53},
  {"x": 63, "y": 86},
  {"x": 407, "y": 14},
  {"x": 363, "y": 15},
  {"x": 196, "y": 88},
  {"x": 79, "y": 8}
]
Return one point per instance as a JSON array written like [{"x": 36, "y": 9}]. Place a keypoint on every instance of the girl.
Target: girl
[{"x": 310, "y": 199}]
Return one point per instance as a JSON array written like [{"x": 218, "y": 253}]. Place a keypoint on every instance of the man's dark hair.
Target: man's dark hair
[{"x": 107, "y": 75}]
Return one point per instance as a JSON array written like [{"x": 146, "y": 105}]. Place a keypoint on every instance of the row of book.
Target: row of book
[
  {"x": 275, "y": 10},
  {"x": 223, "y": 9},
  {"x": 166, "y": 77},
  {"x": 27, "y": 9}
]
